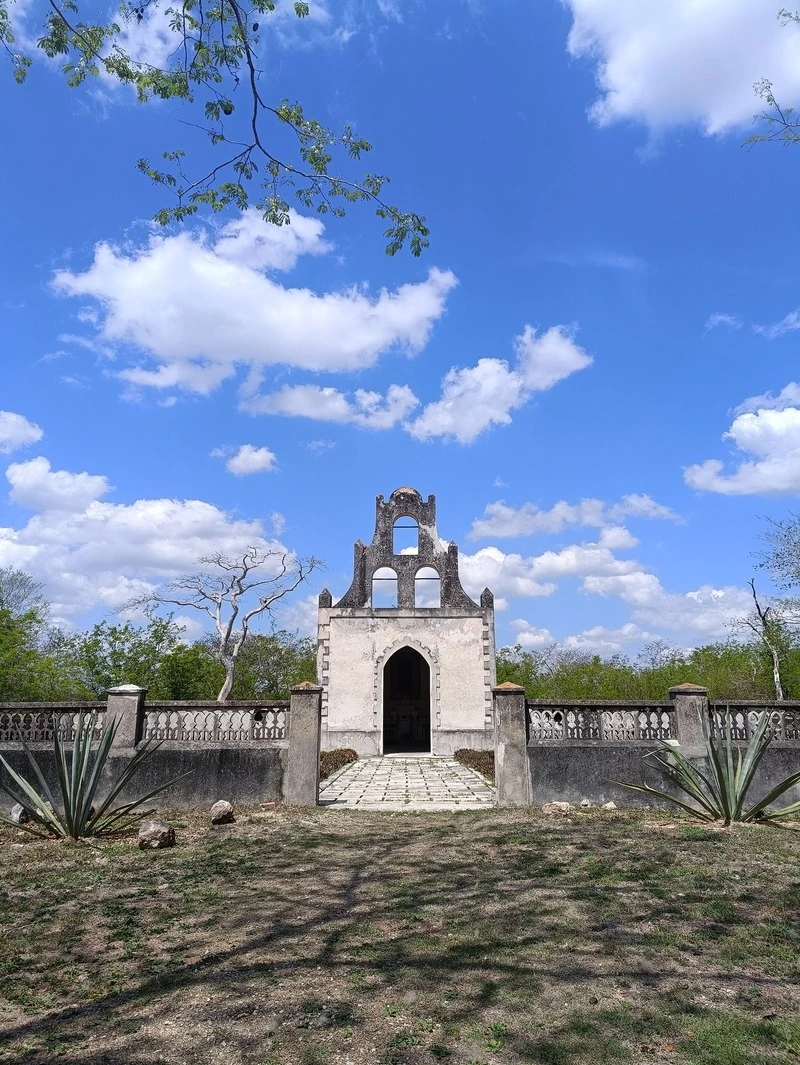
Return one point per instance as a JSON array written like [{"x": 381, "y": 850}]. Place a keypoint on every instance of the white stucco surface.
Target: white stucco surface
[{"x": 355, "y": 646}]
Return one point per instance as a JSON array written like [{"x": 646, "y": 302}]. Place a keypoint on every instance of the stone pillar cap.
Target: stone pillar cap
[
  {"x": 688, "y": 689},
  {"x": 125, "y": 689},
  {"x": 306, "y": 686},
  {"x": 507, "y": 686}
]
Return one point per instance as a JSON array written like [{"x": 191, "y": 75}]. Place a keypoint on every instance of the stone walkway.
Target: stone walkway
[{"x": 407, "y": 782}]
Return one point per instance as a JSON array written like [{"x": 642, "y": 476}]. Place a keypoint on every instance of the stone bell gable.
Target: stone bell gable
[
  {"x": 406, "y": 658},
  {"x": 431, "y": 553}
]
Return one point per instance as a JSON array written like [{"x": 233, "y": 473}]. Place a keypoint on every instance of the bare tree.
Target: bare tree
[
  {"x": 20, "y": 593},
  {"x": 238, "y": 589},
  {"x": 765, "y": 623}
]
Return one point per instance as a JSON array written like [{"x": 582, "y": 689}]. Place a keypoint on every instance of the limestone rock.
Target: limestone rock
[
  {"x": 586, "y": 804},
  {"x": 19, "y": 815},
  {"x": 609, "y": 806},
  {"x": 557, "y": 809},
  {"x": 646, "y": 967},
  {"x": 222, "y": 813},
  {"x": 155, "y": 835}
]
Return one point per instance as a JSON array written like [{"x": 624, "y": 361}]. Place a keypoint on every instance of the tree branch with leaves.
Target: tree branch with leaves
[
  {"x": 236, "y": 591},
  {"x": 217, "y": 70}
]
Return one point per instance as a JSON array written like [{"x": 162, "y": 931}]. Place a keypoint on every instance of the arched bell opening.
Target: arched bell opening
[
  {"x": 406, "y": 703},
  {"x": 427, "y": 587},
  {"x": 384, "y": 588},
  {"x": 405, "y": 537}
]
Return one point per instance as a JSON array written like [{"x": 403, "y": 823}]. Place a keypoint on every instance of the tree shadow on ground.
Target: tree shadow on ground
[{"x": 401, "y": 938}]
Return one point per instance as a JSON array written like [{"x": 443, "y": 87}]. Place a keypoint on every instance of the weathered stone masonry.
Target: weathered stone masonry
[{"x": 406, "y": 677}]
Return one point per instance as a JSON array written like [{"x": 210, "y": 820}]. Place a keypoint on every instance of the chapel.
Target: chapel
[{"x": 406, "y": 659}]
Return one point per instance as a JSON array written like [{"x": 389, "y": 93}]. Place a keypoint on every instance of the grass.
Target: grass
[{"x": 295, "y": 937}]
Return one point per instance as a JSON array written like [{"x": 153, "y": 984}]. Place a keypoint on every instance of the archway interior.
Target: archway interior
[{"x": 406, "y": 703}]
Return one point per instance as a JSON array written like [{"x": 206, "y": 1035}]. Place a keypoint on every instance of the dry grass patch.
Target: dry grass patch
[{"x": 351, "y": 938}]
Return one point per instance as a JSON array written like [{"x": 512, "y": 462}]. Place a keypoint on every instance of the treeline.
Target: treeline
[
  {"x": 39, "y": 663},
  {"x": 733, "y": 669}
]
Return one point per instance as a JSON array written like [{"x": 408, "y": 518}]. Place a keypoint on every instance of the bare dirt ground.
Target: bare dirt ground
[{"x": 349, "y": 938}]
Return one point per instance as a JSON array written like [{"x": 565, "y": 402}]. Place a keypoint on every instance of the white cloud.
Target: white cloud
[
  {"x": 300, "y": 616},
  {"x": 530, "y": 637},
  {"x": 789, "y": 324},
  {"x": 92, "y": 554},
  {"x": 477, "y": 397},
  {"x": 369, "y": 410},
  {"x": 772, "y": 435},
  {"x": 731, "y": 321},
  {"x": 597, "y": 640},
  {"x": 706, "y": 612},
  {"x": 149, "y": 39},
  {"x": 513, "y": 575},
  {"x": 787, "y": 397},
  {"x": 35, "y": 485},
  {"x": 696, "y": 61},
  {"x": 248, "y": 459},
  {"x": 202, "y": 307},
  {"x": 16, "y": 431},
  {"x": 499, "y": 519}
]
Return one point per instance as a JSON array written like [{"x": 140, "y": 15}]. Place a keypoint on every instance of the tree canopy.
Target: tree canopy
[{"x": 211, "y": 59}]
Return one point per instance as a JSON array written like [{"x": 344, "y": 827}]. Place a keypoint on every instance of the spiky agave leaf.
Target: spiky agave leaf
[
  {"x": 79, "y": 777},
  {"x": 722, "y": 794}
]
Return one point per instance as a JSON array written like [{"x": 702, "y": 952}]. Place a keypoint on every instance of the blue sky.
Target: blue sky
[{"x": 593, "y": 366}]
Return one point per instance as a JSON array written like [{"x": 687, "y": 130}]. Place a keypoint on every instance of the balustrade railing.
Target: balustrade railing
[
  {"x": 594, "y": 722},
  {"x": 258, "y": 723},
  {"x": 784, "y": 719},
  {"x": 38, "y": 722}
]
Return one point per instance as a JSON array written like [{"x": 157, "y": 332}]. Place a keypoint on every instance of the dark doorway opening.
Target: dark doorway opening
[{"x": 406, "y": 703}]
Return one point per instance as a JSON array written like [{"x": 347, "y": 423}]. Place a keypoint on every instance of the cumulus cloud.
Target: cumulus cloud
[
  {"x": 514, "y": 575},
  {"x": 501, "y": 520},
  {"x": 665, "y": 65},
  {"x": 787, "y": 397},
  {"x": 93, "y": 554},
  {"x": 701, "y": 614},
  {"x": 36, "y": 486},
  {"x": 477, "y": 397},
  {"x": 247, "y": 459},
  {"x": 771, "y": 434},
  {"x": 706, "y": 612},
  {"x": 201, "y": 306},
  {"x": 16, "y": 431},
  {"x": 597, "y": 640},
  {"x": 369, "y": 410}
]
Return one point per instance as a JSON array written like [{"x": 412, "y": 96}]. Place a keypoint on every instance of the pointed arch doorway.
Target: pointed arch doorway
[{"x": 406, "y": 703}]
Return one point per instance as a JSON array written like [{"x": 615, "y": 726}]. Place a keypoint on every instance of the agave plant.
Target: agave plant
[
  {"x": 722, "y": 793},
  {"x": 80, "y": 770}
]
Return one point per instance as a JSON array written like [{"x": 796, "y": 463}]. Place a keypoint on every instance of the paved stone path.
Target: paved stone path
[{"x": 407, "y": 782}]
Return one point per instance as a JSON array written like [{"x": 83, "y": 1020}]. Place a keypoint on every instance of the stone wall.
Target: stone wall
[
  {"x": 243, "y": 752},
  {"x": 573, "y": 751}
]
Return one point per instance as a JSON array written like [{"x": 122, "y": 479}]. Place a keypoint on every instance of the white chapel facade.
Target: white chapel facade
[{"x": 406, "y": 658}]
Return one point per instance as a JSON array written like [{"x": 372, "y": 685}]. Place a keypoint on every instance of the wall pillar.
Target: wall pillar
[
  {"x": 691, "y": 708},
  {"x": 125, "y": 705},
  {"x": 301, "y": 787},
  {"x": 511, "y": 765}
]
